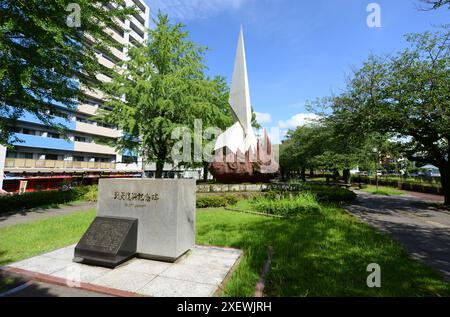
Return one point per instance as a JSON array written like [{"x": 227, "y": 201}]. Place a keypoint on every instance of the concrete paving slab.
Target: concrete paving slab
[
  {"x": 62, "y": 254},
  {"x": 214, "y": 262},
  {"x": 199, "y": 273},
  {"x": 147, "y": 266},
  {"x": 167, "y": 287},
  {"x": 42, "y": 264},
  {"x": 80, "y": 273},
  {"x": 122, "y": 279}
]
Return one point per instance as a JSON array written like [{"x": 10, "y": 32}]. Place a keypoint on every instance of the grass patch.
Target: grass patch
[
  {"x": 384, "y": 191},
  {"x": 324, "y": 255},
  {"x": 316, "y": 256},
  {"x": 29, "y": 239}
]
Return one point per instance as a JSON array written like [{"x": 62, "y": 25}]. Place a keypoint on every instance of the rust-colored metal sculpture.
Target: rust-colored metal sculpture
[{"x": 259, "y": 167}]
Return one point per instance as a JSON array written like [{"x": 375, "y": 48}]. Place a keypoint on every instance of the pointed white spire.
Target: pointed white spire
[{"x": 240, "y": 94}]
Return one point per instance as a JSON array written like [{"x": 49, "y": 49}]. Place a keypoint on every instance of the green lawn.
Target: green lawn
[
  {"x": 323, "y": 255},
  {"x": 384, "y": 191},
  {"x": 25, "y": 240}
]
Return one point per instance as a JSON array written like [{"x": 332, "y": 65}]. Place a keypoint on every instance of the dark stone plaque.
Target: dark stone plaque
[{"x": 108, "y": 242}]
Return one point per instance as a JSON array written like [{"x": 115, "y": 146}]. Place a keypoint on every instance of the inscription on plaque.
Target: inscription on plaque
[
  {"x": 106, "y": 234},
  {"x": 109, "y": 241}
]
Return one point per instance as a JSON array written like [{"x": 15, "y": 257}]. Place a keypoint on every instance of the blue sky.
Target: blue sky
[{"x": 297, "y": 50}]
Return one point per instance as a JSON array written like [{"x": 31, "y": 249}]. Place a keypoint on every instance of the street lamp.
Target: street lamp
[{"x": 375, "y": 151}]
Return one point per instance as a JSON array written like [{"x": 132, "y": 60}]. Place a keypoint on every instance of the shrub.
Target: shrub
[
  {"x": 231, "y": 199},
  {"x": 46, "y": 198},
  {"x": 333, "y": 194},
  {"x": 301, "y": 204},
  {"x": 322, "y": 193},
  {"x": 88, "y": 193},
  {"x": 211, "y": 202}
]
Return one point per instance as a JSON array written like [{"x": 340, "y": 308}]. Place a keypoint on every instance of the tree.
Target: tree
[
  {"x": 406, "y": 96},
  {"x": 436, "y": 4},
  {"x": 219, "y": 117},
  {"x": 298, "y": 150},
  {"x": 162, "y": 88},
  {"x": 324, "y": 144},
  {"x": 43, "y": 58}
]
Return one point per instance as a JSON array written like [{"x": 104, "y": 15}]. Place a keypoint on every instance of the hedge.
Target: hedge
[
  {"x": 416, "y": 186},
  {"x": 211, "y": 202},
  {"x": 326, "y": 194},
  {"x": 47, "y": 198},
  {"x": 302, "y": 204}
]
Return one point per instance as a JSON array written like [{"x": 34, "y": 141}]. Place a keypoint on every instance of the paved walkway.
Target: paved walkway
[
  {"x": 422, "y": 228},
  {"x": 200, "y": 273},
  {"x": 14, "y": 218}
]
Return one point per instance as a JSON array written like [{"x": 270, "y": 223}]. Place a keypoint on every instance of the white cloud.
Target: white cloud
[
  {"x": 193, "y": 9},
  {"x": 298, "y": 120},
  {"x": 263, "y": 117}
]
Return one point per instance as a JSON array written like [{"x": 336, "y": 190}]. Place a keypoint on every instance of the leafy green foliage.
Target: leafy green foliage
[
  {"x": 163, "y": 88},
  {"x": 300, "y": 204},
  {"x": 40, "y": 55},
  {"x": 406, "y": 97},
  {"x": 325, "y": 194}
]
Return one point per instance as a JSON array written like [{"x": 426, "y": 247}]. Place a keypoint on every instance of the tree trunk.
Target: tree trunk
[
  {"x": 205, "y": 172},
  {"x": 159, "y": 169},
  {"x": 143, "y": 165},
  {"x": 311, "y": 172},
  {"x": 346, "y": 176},
  {"x": 445, "y": 181},
  {"x": 303, "y": 174},
  {"x": 336, "y": 175}
]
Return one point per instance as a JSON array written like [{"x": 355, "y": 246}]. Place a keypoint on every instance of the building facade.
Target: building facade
[{"x": 45, "y": 159}]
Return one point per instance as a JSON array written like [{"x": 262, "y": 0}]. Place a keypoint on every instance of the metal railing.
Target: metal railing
[{"x": 28, "y": 163}]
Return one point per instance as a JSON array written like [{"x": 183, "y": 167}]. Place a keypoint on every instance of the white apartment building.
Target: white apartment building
[{"x": 45, "y": 159}]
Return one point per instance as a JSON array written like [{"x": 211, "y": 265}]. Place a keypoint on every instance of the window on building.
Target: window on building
[
  {"x": 81, "y": 139},
  {"x": 53, "y": 135},
  {"x": 106, "y": 125},
  {"x": 137, "y": 30},
  {"x": 139, "y": 18},
  {"x": 16, "y": 130},
  {"x": 51, "y": 157},
  {"x": 21, "y": 155},
  {"x": 140, "y": 5},
  {"x": 78, "y": 158},
  {"x": 84, "y": 120},
  {"x": 29, "y": 131},
  {"x": 92, "y": 101},
  {"x": 28, "y": 156},
  {"x": 11, "y": 154}
]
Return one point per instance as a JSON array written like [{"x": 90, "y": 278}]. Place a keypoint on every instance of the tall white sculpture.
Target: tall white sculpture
[
  {"x": 240, "y": 136},
  {"x": 240, "y": 157}
]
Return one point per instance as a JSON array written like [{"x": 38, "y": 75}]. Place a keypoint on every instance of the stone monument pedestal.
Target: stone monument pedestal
[{"x": 165, "y": 210}]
